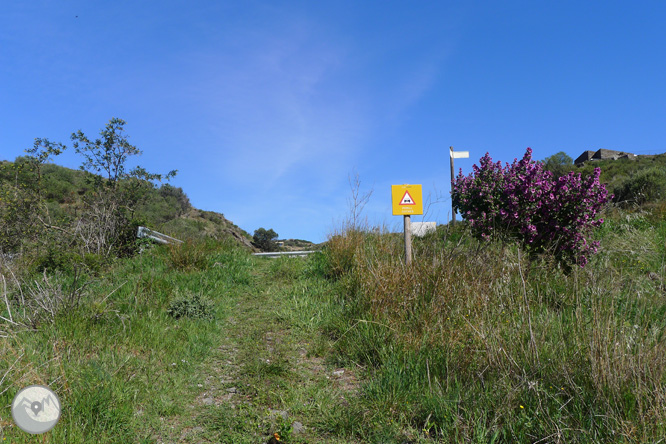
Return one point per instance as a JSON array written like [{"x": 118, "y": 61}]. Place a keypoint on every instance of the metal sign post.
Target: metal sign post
[
  {"x": 405, "y": 201},
  {"x": 455, "y": 155}
]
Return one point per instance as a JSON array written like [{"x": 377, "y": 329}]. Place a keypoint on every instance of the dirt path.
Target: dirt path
[{"x": 267, "y": 375}]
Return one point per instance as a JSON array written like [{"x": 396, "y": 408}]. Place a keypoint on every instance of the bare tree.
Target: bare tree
[
  {"x": 433, "y": 198},
  {"x": 99, "y": 227},
  {"x": 356, "y": 202}
]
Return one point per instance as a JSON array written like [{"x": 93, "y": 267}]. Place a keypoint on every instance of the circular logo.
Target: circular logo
[{"x": 36, "y": 409}]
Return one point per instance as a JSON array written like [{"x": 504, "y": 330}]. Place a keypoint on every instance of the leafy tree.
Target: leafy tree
[
  {"x": 109, "y": 154},
  {"x": 559, "y": 164},
  {"x": 265, "y": 239},
  {"x": 176, "y": 194},
  {"x": 21, "y": 204},
  {"x": 39, "y": 154},
  {"x": 110, "y": 208}
]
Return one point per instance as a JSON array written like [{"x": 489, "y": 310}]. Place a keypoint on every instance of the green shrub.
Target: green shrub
[
  {"x": 559, "y": 164},
  {"x": 176, "y": 198},
  {"x": 127, "y": 245},
  {"x": 265, "y": 239},
  {"x": 57, "y": 258},
  {"x": 191, "y": 306},
  {"x": 187, "y": 256},
  {"x": 646, "y": 185}
]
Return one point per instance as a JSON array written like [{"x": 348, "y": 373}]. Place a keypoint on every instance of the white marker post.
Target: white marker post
[{"x": 455, "y": 155}]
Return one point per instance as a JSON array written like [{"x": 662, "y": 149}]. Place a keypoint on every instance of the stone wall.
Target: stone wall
[{"x": 602, "y": 154}]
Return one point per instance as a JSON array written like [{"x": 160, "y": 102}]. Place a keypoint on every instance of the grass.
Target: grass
[
  {"x": 118, "y": 360},
  {"x": 140, "y": 358},
  {"x": 473, "y": 343}
]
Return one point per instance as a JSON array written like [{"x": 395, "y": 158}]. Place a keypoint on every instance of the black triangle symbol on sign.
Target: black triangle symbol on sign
[{"x": 407, "y": 199}]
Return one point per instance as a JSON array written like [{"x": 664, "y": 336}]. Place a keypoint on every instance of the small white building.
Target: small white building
[{"x": 420, "y": 229}]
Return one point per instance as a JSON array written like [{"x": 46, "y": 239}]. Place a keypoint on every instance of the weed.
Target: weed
[
  {"x": 192, "y": 306},
  {"x": 187, "y": 256}
]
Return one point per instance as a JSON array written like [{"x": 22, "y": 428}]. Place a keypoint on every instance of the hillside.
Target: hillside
[
  {"x": 164, "y": 208},
  {"x": 476, "y": 341},
  {"x": 473, "y": 343},
  {"x": 638, "y": 180},
  {"x": 196, "y": 223},
  {"x": 297, "y": 245}
]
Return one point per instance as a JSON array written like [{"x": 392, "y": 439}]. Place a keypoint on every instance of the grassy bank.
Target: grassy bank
[
  {"x": 472, "y": 343},
  {"x": 200, "y": 343},
  {"x": 476, "y": 343},
  {"x": 121, "y": 353}
]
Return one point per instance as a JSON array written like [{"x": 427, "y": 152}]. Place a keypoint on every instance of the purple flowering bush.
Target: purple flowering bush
[{"x": 524, "y": 202}]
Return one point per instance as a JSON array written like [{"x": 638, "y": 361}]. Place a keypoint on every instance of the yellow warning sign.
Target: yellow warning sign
[{"x": 406, "y": 200}]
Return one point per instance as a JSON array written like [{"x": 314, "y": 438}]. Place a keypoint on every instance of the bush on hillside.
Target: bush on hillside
[
  {"x": 265, "y": 239},
  {"x": 55, "y": 258},
  {"x": 559, "y": 164},
  {"x": 614, "y": 173},
  {"x": 176, "y": 197},
  {"x": 187, "y": 256},
  {"x": 524, "y": 202},
  {"x": 192, "y": 306},
  {"x": 645, "y": 186}
]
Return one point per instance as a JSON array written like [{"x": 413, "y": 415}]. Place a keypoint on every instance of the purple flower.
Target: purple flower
[{"x": 525, "y": 202}]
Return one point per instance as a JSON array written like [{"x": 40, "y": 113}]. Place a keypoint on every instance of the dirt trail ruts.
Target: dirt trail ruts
[{"x": 262, "y": 377}]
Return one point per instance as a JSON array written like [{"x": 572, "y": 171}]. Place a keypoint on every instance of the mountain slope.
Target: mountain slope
[{"x": 64, "y": 192}]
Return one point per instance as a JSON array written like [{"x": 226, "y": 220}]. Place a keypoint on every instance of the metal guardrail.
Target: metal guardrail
[
  {"x": 156, "y": 236},
  {"x": 284, "y": 253}
]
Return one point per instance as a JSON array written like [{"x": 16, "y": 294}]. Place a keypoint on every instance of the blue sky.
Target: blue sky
[{"x": 267, "y": 107}]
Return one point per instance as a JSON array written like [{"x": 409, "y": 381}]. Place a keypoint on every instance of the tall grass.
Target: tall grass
[
  {"x": 475, "y": 342},
  {"x": 115, "y": 351}
]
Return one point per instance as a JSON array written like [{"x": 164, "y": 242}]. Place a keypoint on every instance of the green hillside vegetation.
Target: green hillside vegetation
[
  {"x": 64, "y": 196},
  {"x": 299, "y": 244},
  {"x": 632, "y": 181},
  {"x": 164, "y": 208},
  {"x": 474, "y": 342},
  {"x": 55, "y": 216}
]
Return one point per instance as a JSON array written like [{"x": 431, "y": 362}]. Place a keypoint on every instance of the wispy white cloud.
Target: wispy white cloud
[
  {"x": 290, "y": 108},
  {"x": 280, "y": 107}
]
